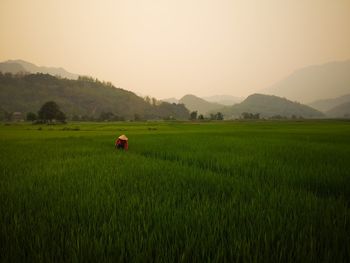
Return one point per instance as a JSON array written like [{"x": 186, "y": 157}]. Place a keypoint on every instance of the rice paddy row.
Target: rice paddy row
[{"x": 192, "y": 192}]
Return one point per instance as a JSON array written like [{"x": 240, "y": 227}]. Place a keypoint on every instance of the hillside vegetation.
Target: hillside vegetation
[{"x": 82, "y": 97}]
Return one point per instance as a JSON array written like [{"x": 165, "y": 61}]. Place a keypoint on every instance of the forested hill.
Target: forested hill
[
  {"x": 83, "y": 97},
  {"x": 270, "y": 106}
]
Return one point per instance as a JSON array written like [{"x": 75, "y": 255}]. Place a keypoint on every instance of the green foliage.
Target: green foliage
[
  {"x": 217, "y": 116},
  {"x": 193, "y": 192},
  {"x": 61, "y": 116},
  {"x": 109, "y": 116},
  {"x": 50, "y": 111},
  {"x": 86, "y": 97},
  {"x": 31, "y": 116},
  {"x": 4, "y": 115},
  {"x": 171, "y": 111},
  {"x": 137, "y": 117},
  {"x": 251, "y": 116},
  {"x": 193, "y": 115}
]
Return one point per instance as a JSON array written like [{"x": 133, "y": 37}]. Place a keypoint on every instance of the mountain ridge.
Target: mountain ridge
[
  {"x": 340, "y": 111},
  {"x": 270, "y": 105},
  {"x": 226, "y": 100},
  {"x": 82, "y": 97},
  {"x": 194, "y": 103},
  {"x": 315, "y": 82},
  {"x": 327, "y": 104},
  {"x": 25, "y": 66}
]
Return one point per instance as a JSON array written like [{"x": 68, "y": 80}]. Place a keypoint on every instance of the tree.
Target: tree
[
  {"x": 106, "y": 116},
  {"x": 154, "y": 101},
  {"x": 76, "y": 117},
  {"x": 137, "y": 117},
  {"x": 31, "y": 116},
  {"x": 61, "y": 116},
  {"x": 246, "y": 115},
  {"x": 4, "y": 115},
  {"x": 219, "y": 116},
  {"x": 109, "y": 116},
  {"x": 193, "y": 115},
  {"x": 200, "y": 117},
  {"x": 50, "y": 111},
  {"x": 251, "y": 116},
  {"x": 148, "y": 99}
]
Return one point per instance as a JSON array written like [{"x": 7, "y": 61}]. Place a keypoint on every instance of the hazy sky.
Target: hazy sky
[{"x": 170, "y": 48}]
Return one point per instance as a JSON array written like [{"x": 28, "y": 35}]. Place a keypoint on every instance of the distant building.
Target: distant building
[{"x": 17, "y": 116}]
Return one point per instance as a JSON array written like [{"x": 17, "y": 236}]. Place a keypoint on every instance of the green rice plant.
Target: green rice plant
[{"x": 193, "y": 192}]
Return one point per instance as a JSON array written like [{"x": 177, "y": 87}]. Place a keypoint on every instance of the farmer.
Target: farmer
[{"x": 121, "y": 143}]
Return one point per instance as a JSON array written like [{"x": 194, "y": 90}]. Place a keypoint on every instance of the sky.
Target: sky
[{"x": 169, "y": 48}]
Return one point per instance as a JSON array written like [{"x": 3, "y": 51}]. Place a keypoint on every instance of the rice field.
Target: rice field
[{"x": 184, "y": 192}]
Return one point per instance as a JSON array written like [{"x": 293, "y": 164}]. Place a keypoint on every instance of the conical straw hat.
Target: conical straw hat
[{"x": 123, "y": 137}]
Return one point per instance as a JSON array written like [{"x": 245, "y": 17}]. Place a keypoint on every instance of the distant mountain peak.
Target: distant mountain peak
[
  {"x": 314, "y": 82},
  {"x": 194, "y": 103},
  {"x": 270, "y": 105},
  {"x": 327, "y": 104},
  {"x": 19, "y": 65}
]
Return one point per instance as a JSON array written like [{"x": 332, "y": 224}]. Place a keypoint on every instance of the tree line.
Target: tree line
[
  {"x": 217, "y": 116},
  {"x": 49, "y": 113}
]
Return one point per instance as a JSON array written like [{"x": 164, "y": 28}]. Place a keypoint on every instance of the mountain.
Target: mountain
[
  {"x": 16, "y": 66},
  {"x": 194, "y": 103},
  {"x": 82, "y": 97},
  {"x": 11, "y": 67},
  {"x": 327, "y": 104},
  {"x": 268, "y": 106},
  {"x": 315, "y": 82},
  {"x": 340, "y": 111},
  {"x": 227, "y": 100}
]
